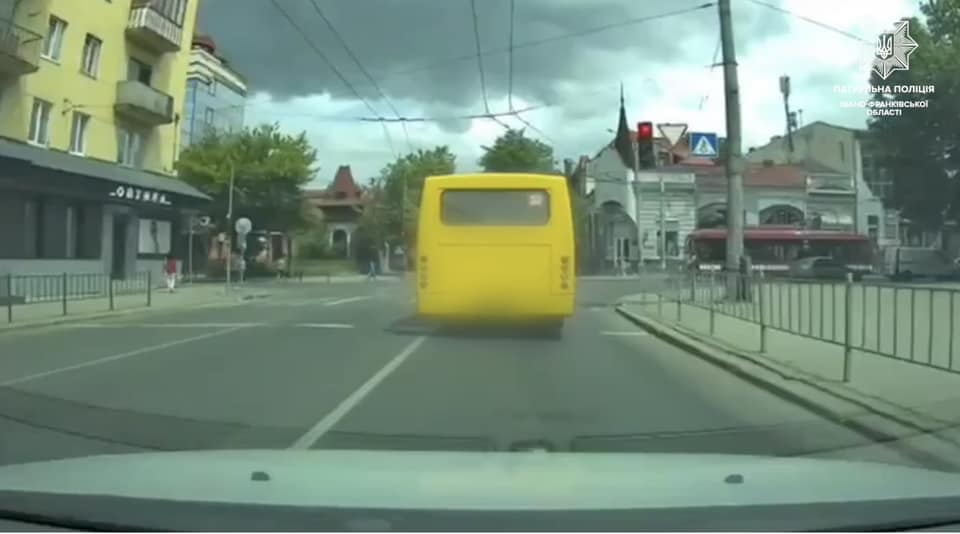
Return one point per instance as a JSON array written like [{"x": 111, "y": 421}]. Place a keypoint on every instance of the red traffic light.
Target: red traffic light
[{"x": 644, "y": 131}]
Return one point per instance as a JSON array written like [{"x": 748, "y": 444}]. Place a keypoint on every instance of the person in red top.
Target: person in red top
[{"x": 171, "y": 271}]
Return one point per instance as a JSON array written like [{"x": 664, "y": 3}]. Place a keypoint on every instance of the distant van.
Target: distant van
[{"x": 906, "y": 263}]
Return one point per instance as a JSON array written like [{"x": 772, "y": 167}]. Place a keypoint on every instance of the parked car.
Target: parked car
[
  {"x": 820, "y": 267},
  {"x": 906, "y": 263}
]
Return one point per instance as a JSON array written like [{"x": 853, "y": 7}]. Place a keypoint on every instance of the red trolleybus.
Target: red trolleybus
[{"x": 772, "y": 248}]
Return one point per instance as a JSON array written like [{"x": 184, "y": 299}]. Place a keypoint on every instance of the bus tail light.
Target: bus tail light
[
  {"x": 565, "y": 272},
  {"x": 422, "y": 272}
]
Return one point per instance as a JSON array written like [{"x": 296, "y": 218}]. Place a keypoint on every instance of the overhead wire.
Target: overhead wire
[
  {"x": 510, "y": 57},
  {"x": 546, "y": 40},
  {"x": 363, "y": 70},
  {"x": 476, "y": 38},
  {"x": 334, "y": 69},
  {"x": 510, "y": 48},
  {"x": 815, "y": 22},
  {"x": 713, "y": 65}
]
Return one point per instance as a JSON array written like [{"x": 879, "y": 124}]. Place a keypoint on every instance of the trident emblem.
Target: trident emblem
[{"x": 884, "y": 46}]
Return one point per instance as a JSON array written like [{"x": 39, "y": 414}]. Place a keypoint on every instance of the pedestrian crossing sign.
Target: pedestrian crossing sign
[{"x": 704, "y": 145}]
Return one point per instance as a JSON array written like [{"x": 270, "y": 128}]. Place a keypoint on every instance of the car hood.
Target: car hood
[{"x": 475, "y": 481}]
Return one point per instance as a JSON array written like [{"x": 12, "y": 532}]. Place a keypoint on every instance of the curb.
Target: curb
[
  {"x": 56, "y": 321},
  {"x": 706, "y": 353}
]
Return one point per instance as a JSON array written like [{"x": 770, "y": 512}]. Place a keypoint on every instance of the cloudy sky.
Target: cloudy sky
[{"x": 422, "y": 56}]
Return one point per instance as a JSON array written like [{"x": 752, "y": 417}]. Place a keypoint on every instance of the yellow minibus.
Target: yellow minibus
[{"x": 496, "y": 246}]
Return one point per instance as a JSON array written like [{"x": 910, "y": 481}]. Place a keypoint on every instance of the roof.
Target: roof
[
  {"x": 97, "y": 169},
  {"x": 344, "y": 183},
  {"x": 342, "y": 191},
  {"x": 786, "y": 176}
]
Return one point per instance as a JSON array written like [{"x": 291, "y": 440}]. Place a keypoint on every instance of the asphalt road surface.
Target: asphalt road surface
[{"x": 346, "y": 366}]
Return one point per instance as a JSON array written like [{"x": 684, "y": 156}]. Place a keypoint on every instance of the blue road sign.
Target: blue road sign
[{"x": 704, "y": 144}]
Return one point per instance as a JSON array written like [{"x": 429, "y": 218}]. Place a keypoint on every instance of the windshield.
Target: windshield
[{"x": 561, "y": 229}]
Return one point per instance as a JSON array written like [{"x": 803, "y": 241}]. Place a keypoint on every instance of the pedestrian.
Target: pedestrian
[
  {"x": 372, "y": 272},
  {"x": 170, "y": 269}
]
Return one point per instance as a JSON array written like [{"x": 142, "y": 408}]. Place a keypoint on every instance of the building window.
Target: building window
[
  {"x": 128, "y": 148},
  {"x": 139, "y": 71},
  {"x": 40, "y": 122},
  {"x": 208, "y": 116},
  {"x": 843, "y": 152},
  {"x": 53, "y": 42},
  {"x": 212, "y": 88},
  {"x": 78, "y": 133},
  {"x": 91, "y": 55}
]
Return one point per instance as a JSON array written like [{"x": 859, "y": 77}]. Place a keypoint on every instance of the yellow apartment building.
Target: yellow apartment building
[{"x": 91, "y": 96}]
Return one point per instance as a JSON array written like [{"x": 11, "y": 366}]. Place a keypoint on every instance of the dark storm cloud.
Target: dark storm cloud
[{"x": 396, "y": 38}]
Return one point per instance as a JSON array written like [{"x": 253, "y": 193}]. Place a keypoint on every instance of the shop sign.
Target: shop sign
[{"x": 136, "y": 194}]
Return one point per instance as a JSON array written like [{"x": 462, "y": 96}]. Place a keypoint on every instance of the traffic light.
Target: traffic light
[{"x": 645, "y": 151}]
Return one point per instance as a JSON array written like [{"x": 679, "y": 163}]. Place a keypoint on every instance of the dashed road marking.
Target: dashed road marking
[
  {"x": 324, "y": 425},
  {"x": 115, "y": 357},
  {"x": 163, "y": 325},
  {"x": 324, "y": 325},
  {"x": 346, "y": 300},
  {"x": 627, "y": 333}
]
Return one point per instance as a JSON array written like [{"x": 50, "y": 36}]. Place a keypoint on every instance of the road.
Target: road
[{"x": 345, "y": 365}]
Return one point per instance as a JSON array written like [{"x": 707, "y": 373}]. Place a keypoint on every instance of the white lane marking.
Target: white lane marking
[
  {"x": 346, "y": 300},
  {"x": 628, "y": 333},
  {"x": 318, "y": 430},
  {"x": 115, "y": 357},
  {"x": 324, "y": 325},
  {"x": 164, "y": 325},
  {"x": 308, "y": 302}
]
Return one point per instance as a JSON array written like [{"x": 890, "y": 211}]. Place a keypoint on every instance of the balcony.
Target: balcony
[
  {"x": 139, "y": 102},
  {"x": 152, "y": 29},
  {"x": 19, "y": 49}
]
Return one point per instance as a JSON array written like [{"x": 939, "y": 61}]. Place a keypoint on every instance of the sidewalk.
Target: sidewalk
[
  {"x": 188, "y": 296},
  {"x": 907, "y": 401}
]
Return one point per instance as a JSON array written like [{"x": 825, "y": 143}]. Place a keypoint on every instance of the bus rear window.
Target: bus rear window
[{"x": 495, "y": 207}]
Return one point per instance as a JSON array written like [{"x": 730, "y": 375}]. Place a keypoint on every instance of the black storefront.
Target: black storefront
[{"x": 64, "y": 213}]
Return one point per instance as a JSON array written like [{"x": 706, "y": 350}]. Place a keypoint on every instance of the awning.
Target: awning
[{"x": 107, "y": 176}]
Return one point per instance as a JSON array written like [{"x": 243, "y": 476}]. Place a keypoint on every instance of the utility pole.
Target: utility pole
[
  {"x": 663, "y": 223},
  {"x": 733, "y": 163},
  {"x": 636, "y": 210},
  {"x": 229, "y": 264}
]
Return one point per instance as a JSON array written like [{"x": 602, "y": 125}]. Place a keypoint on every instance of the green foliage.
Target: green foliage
[
  {"x": 313, "y": 242},
  {"x": 512, "y": 152},
  {"x": 391, "y": 214},
  {"x": 581, "y": 228},
  {"x": 270, "y": 169},
  {"x": 921, "y": 147}
]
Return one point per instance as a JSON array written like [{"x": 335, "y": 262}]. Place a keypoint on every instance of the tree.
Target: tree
[
  {"x": 270, "y": 171},
  {"x": 391, "y": 214},
  {"x": 921, "y": 147},
  {"x": 512, "y": 152}
]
